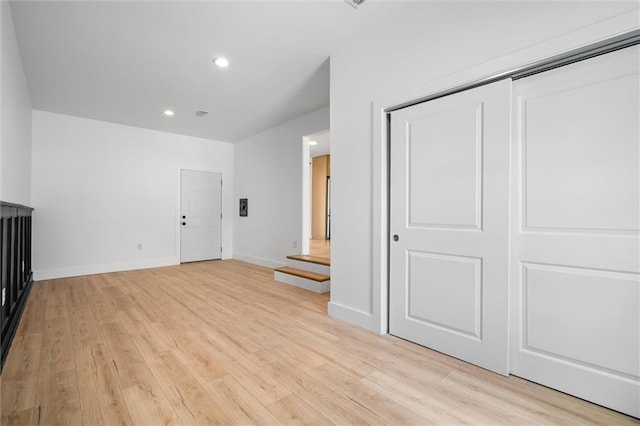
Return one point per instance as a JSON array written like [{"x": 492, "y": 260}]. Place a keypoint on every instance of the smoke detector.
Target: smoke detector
[
  {"x": 201, "y": 113},
  {"x": 355, "y": 3}
]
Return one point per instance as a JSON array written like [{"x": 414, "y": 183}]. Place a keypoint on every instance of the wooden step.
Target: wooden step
[
  {"x": 310, "y": 259},
  {"x": 304, "y": 274},
  {"x": 318, "y": 268},
  {"x": 308, "y": 280}
]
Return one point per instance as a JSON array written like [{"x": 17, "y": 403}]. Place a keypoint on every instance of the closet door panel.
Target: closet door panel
[
  {"x": 449, "y": 211},
  {"x": 575, "y": 263}
]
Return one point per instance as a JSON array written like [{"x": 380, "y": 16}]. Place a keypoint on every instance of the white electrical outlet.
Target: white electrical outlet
[
  {"x": 4, "y": 293},
  {"x": 295, "y": 243},
  {"x": 139, "y": 246}
]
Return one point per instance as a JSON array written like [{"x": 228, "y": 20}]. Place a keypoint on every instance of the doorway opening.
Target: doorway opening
[
  {"x": 316, "y": 195},
  {"x": 310, "y": 268}
]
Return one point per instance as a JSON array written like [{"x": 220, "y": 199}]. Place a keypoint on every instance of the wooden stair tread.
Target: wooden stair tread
[
  {"x": 310, "y": 259},
  {"x": 304, "y": 274}
]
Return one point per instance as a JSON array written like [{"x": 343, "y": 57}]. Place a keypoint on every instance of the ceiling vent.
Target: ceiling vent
[
  {"x": 355, "y": 3},
  {"x": 201, "y": 113}
]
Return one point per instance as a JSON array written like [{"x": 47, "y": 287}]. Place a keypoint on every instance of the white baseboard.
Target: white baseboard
[
  {"x": 350, "y": 315},
  {"x": 269, "y": 263},
  {"x": 76, "y": 271}
]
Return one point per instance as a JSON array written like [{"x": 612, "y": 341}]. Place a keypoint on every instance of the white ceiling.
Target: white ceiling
[{"x": 126, "y": 62}]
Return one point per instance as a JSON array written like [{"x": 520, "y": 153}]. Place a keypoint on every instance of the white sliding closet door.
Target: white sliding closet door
[
  {"x": 576, "y": 219},
  {"x": 449, "y": 210}
]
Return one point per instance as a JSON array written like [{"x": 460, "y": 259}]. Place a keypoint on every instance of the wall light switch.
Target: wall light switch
[
  {"x": 295, "y": 243},
  {"x": 139, "y": 246}
]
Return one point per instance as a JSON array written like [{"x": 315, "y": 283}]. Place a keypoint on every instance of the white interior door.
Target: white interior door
[
  {"x": 200, "y": 216},
  {"x": 449, "y": 209},
  {"x": 575, "y": 259}
]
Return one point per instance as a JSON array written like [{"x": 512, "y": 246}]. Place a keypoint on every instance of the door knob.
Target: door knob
[
  {"x": 184, "y": 223},
  {"x": 395, "y": 237},
  {"x": 184, "y": 217}
]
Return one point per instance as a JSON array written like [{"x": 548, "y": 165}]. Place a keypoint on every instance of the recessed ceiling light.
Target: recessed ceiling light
[
  {"x": 168, "y": 113},
  {"x": 313, "y": 142},
  {"x": 221, "y": 62}
]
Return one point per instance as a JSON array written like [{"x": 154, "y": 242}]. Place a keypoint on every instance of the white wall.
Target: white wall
[
  {"x": 268, "y": 171},
  {"x": 407, "y": 56},
  {"x": 100, "y": 188},
  {"x": 15, "y": 149}
]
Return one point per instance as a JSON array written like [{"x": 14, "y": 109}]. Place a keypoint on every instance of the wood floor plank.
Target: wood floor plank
[
  {"x": 33, "y": 317},
  {"x": 118, "y": 298},
  {"x": 434, "y": 410},
  {"x": 56, "y": 352},
  {"x": 264, "y": 387},
  {"x": 535, "y": 406},
  {"x": 238, "y": 403},
  {"x": 323, "y": 398},
  {"x": 311, "y": 340},
  {"x": 56, "y": 299},
  {"x": 23, "y": 360},
  {"x": 338, "y": 408},
  {"x": 18, "y": 394},
  {"x": 123, "y": 354},
  {"x": 57, "y": 397},
  {"x": 102, "y": 308},
  {"x": 57, "y": 414},
  {"x": 84, "y": 330},
  {"x": 349, "y": 386},
  {"x": 189, "y": 399},
  {"x": 147, "y": 336},
  {"x": 201, "y": 360},
  {"x": 22, "y": 417},
  {"x": 221, "y": 343},
  {"x": 74, "y": 296},
  {"x": 148, "y": 406},
  {"x": 293, "y": 410},
  {"x": 233, "y": 361},
  {"x": 101, "y": 398}
]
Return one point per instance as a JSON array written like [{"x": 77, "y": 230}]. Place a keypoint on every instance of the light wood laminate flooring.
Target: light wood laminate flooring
[
  {"x": 320, "y": 248},
  {"x": 221, "y": 343}
]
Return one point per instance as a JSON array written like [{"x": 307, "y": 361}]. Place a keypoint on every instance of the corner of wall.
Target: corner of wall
[
  {"x": 16, "y": 129},
  {"x": 267, "y": 263}
]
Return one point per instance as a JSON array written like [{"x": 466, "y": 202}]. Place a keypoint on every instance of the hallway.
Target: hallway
[{"x": 320, "y": 248}]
